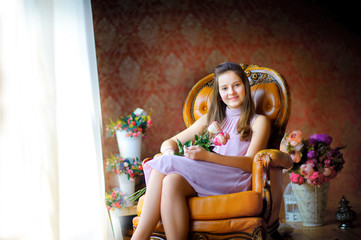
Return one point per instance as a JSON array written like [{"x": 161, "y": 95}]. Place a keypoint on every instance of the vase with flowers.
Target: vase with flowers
[
  {"x": 129, "y": 131},
  {"x": 114, "y": 201},
  {"x": 126, "y": 170},
  {"x": 315, "y": 163}
]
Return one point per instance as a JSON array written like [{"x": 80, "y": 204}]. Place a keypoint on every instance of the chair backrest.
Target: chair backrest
[{"x": 270, "y": 94}]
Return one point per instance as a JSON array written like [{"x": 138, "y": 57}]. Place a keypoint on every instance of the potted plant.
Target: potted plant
[
  {"x": 129, "y": 131},
  {"x": 126, "y": 170},
  {"x": 315, "y": 163}
]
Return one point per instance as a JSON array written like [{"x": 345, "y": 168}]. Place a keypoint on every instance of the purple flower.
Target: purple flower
[
  {"x": 312, "y": 154},
  {"x": 320, "y": 138}
]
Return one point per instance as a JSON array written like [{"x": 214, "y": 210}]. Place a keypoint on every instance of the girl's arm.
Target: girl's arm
[
  {"x": 170, "y": 146},
  {"x": 260, "y": 134}
]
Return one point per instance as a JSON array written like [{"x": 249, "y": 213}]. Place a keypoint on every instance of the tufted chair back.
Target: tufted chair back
[{"x": 270, "y": 95}]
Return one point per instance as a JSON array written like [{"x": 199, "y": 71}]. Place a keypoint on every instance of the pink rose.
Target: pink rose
[
  {"x": 221, "y": 138},
  {"x": 214, "y": 127},
  {"x": 296, "y": 156},
  {"x": 295, "y": 137},
  {"x": 295, "y": 178},
  {"x": 306, "y": 170},
  {"x": 109, "y": 208},
  {"x": 316, "y": 178},
  {"x": 326, "y": 172}
]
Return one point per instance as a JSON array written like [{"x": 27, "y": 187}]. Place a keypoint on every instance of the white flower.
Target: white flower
[
  {"x": 140, "y": 112},
  {"x": 214, "y": 127}
]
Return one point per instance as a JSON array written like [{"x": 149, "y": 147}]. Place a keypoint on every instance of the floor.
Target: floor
[{"x": 329, "y": 231}]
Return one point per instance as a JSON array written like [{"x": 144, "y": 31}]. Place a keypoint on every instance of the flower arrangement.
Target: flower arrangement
[
  {"x": 212, "y": 136},
  {"x": 135, "y": 124},
  {"x": 129, "y": 166},
  {"x": 114, "y": 199},
  {"x": 314, "y": 161}
]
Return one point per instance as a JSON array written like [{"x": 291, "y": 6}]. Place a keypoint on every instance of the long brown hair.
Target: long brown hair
[{"x": 217, "y": 109}]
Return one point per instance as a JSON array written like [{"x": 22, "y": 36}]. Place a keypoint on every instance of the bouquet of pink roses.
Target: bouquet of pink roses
[
  {"x": 314, "y": 161},
  {"x": 213, "y": 136}
]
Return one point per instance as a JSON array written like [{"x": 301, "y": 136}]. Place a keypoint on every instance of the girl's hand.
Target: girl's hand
[{"x": 195, "y": 152}]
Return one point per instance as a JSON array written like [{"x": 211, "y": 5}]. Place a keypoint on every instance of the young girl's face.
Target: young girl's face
[{"x": 231, "y": 89}]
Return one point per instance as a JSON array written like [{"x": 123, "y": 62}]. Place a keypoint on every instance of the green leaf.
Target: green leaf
[
  {"x": 180, "y": 148},
  {"x": 188, "y": 143}
]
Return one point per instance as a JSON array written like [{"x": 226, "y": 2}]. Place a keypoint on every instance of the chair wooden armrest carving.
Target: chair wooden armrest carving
[{"x": 250, "y": 214}]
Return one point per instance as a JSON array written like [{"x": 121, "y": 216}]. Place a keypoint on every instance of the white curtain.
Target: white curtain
[{"x": 51, "y": 168}]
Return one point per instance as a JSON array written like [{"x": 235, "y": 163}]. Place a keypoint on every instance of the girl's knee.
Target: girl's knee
[{"x": 176, "y": 184}]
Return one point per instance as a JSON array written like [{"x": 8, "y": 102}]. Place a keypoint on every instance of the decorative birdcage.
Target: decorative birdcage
[{"x": 292, "y": 213}]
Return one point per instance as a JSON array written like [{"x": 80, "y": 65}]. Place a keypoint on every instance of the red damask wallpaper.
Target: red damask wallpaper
[{"x": 150, "y": 53}]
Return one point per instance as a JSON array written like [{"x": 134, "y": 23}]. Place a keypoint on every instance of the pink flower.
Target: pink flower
[
  {"x": 149, "y": 123},
  {"x": 296, "y": 156},
  {"x": 109, "y": 208},
  {"x": 214, "y": 127},
  {"x": 326, "y": 172},
  {"x": 295, "y": 178},
  {"x": 316, "y": 178},
  {"x": 221, "y": 138},
  {"x": 295, "y": 137},
  {"x": 114, "y": 195},
  {"x": 306, "y": 170}
]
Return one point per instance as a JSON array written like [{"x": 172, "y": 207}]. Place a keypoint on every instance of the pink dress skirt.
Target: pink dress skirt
[{"x": 208, "y": 178}]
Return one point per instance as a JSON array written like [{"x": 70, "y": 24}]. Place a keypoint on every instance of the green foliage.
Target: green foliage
[{"x": 202, "y": 140}]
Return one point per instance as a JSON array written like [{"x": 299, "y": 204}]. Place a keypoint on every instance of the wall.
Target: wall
[{"x": 151, "y": 52}]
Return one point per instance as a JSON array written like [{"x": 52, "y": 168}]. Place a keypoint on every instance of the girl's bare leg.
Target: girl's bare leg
[
  {"x": 174, "y": 208},
  {"x": 151, "y": 207}
]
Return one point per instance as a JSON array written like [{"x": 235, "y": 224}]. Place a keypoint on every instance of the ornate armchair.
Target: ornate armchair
[{"x": 251, "y": 214}]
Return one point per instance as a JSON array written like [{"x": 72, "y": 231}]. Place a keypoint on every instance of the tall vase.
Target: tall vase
[
  {"x": 126, "y": 186},
  {"x": 312, "y": 203},
  {"x": 115, "y": 217},
  {"x": 129, "y": 146}
]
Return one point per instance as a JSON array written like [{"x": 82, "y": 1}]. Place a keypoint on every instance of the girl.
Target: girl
[{"x": 172, "y": 179}]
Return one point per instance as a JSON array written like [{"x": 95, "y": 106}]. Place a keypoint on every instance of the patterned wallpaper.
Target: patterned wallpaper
[{"x": 150, "y": 53}]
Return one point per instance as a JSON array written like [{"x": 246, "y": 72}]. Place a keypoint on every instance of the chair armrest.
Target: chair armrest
[
  {"x": 262, "y": 164},
  {"x": 278, "y": 158}
]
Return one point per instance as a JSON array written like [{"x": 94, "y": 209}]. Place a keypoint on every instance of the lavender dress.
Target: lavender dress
[{"x": 205, "y": 177}]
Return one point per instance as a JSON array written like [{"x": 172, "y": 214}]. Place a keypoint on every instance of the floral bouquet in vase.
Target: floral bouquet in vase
[
  {"x": 212, "y": 136},
  {"x": 134, "y": 124},
  {"x": 114, "y": 199},
  {"x": 315, "y": 163},
  {"x": 129, "y": 131},
  {"x": 126, "y": 169}
]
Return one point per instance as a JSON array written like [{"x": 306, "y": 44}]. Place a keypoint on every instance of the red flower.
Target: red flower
[
  {"x": 316, "y": 178},
  {"x": 295, "y": 178}
]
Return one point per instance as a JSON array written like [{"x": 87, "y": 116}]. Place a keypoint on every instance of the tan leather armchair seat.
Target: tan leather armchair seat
[{"x": 250, "y": 214}]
